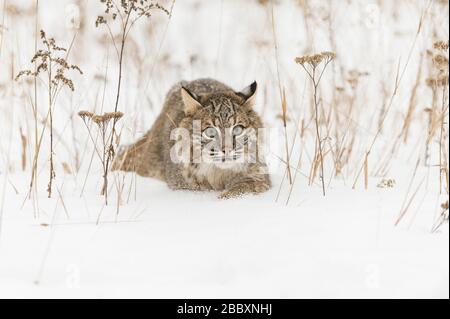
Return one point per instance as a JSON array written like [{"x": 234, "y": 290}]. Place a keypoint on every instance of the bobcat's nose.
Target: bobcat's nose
[{"x": 226, "y": 149}]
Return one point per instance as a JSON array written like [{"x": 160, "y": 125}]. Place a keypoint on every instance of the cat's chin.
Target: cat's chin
[{"x": 229, "y": 165}]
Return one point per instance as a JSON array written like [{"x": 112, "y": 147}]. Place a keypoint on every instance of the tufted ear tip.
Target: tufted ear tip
[
  {"x": 249, "y": 93},
  {"x": 191, "y": 101}
]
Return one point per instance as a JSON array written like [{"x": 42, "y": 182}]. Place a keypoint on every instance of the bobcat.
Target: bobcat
[{"x": 222, "y": 114}]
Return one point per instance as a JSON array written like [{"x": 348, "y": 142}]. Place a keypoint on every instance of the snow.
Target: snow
[
  {"x": 190, "y": 245},
  {"x": 164, "y": 244}
]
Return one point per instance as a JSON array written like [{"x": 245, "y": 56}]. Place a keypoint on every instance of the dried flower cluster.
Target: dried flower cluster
[
  {"x": 128, "y": 12},
  {"x": 440, "y": 61},
  {"x": 100, "y": 119},
  {"x": 105, "y": 150},
  {"x": 85, "y": 115},
  {"x": 441, "y": 45},
  {"x": 141, "y": 8},
  {"x": 315, "y": 59},
  {"x": 437, "y": 82},
  {"x": 48, "y": 60},
  {"x": 310, "y": 64},
  {"x": 443, "y": 217},
  {"x": 444, "y": 206},
  {"x": 354, "y": 76}
]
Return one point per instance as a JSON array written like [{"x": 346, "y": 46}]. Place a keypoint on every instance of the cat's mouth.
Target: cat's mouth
[{"x": 229, "y": 160}]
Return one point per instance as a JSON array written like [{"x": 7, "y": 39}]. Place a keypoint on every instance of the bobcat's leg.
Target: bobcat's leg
[
  {"x": 176, "y": 180},
  {"x": 141, "y": 157},
  {"x": 126, "y": 159}
]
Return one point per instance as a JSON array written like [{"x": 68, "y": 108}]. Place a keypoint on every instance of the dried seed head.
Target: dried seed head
[
  {"x": 105, "y": 118},
  {"x": 437, "y": 82},
  {"x": 85, "y": 115},
  {"x": 113, "y": 115},
  {"x": 47, "y": 60},
  {"x": 444, "y": 206},
  {"x": 139, "y": 8},
  {"x": 98, "y": 119},
  {"x": 24, "y": 73},
  {"x": 440, "y": 61},
  {"x": 328, "y": 55},
  {"x": 12, "y": 10},
  {"x": 441, "y": 45},
  {"x": 118, "y": 115},
  {"x": 315, "y": 59},
  {"x": 301, "y": 60}
]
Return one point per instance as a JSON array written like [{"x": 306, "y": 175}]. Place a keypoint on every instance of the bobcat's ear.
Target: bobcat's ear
[
  {"x": 249, "y": 94},
  {"x": 190, "y": 100}
]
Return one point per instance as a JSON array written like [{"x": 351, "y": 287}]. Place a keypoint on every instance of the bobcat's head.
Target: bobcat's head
[{"x": 225, "y": 123}]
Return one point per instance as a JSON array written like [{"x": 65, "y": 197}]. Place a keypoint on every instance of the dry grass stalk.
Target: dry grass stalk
[
  {"x": 2, "y": 28},
  {"x": 104, "y": 124},
  {"x": 443, "y": 217},
  {"x": 286, "y": 144},
  {"x": 404, "y": 208},
  {"x": 23, "y": 143},
  {"x": 398, "y": 79},
  {"x": 366, "y": 172},
  {"x": 299, "y": 132},
  {"x": 128, "y": 12},
  {"x": 311, "y": 65},
  {"x": 441, "y": 63},
  {"x": 51, "y": 63},
  {"x": 412, "y": 103},
  {"x": 282, "y": 93},
  {"x": 438, "y": 83}
]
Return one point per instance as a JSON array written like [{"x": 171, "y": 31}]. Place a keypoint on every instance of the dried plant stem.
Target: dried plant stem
[
  {"x": 44, "y": 61},
  {"x": 128, "y": 12},
  {"x": 3, "y": 23},
  {"x": 33, "y": 186},
  {"x": 283, "y": 100},
  {"x": 366, "y": 172},
  {"x": 23, "y": 143},
  {"x": 6, "y": 171},
  {"x": 319, "y": 139},
  {"x": 299, "y": 131},
  {"x": 286, "y": 143},
  {"x": 412, "y": 103},
  {"x": 404, "y": 209},
  {"x": 299, "y": 163},
  {"x": 398, "y": 78},
  {"x": 443, "y": 171},
  {"x": 116, "y": 107},
  {"x": 52, "y": 173},
  {"x": 310, "y": 65}
]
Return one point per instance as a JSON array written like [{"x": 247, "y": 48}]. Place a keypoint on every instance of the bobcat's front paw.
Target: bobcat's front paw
[
  {"x": 232, "y": 193},
  {"x": 245, "y": 188}
]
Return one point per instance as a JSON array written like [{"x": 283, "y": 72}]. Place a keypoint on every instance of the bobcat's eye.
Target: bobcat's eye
[
  {"x": 238, "y": 130},
  {"x": 210, "y": 132}
]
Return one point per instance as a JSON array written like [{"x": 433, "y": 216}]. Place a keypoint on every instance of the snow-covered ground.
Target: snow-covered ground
[
  {"x": 163, "y": 244},
  {"x": 180, "y": 244}
]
